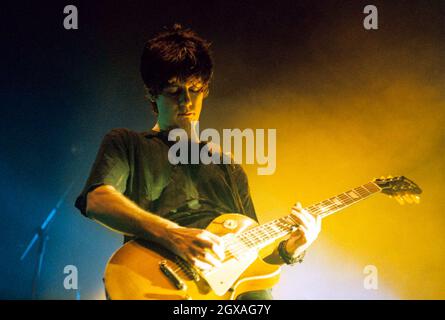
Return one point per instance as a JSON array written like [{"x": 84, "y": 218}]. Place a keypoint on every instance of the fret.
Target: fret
[
  {"x": 292, "y": 219},
  {"x": 336, "y": 201},
  {"x": 262, "y": 235},
  {"x": 245, "y": 241},
  {"x": 255, "y": 236},
  {"x": 311, "y": 209},
  {"x": 323, "y": 208},
  {"x": 250, "y": 239},
  {"x": 236, "y": 246},
  {"x": 345, "y": 199},
  {"x": 269, "y": 230},
  {"x": 362, "y": 192},
  {"x": 357, "y": 193},
  {"x": 372, "y": 187},
  {"x": 333, "y": 203},
  {"x": 290, "y": 222},
  {"x": 326, "y": 201},
  {"x": 262, "y": 232},
  {"x": 354, "y": 196},
  {"x": 273, "y": 228},
  {"x": 365, "y": 190}
]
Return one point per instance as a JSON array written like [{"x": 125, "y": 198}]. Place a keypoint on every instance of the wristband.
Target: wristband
[{"x": 287, "y": 258}]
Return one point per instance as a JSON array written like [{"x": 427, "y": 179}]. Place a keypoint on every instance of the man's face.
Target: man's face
[{"x": 180, "y": 103}]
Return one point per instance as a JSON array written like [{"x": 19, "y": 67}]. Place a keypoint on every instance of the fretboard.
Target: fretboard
[{"x": 262, "y": 235}]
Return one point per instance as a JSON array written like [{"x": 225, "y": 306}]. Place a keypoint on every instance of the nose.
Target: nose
[{"x": 185, "y": 101}]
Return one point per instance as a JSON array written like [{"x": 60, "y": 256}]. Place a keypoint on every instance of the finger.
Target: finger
[
  {"x": 209, "y": 239},
  {"x": 206, "y": 242},
  {"x": 298, "y": 220},
  {"x": 316, "y": 226},
  {"x": 203, "y": 240},
  {"x": 296, "y": 235},
  {"x": 211, "y": 259},
  {"x": 219, "y": 251},
  {"x": 201, "y": 264},
  {"x": 303, "y": 211},
  {"x": 205, "y": 255},
  {"x": 301, "y": 233},
  {"x": 213, "y": 237},
  {"x": 217, "y": 246},
  {"x": 303, "y": 218},
  {"x": 209, "y": 256},
  {"x": 318, "y": 222},
  {"x": 298, "y": 206},
  {"x": 308, "y": 233}
]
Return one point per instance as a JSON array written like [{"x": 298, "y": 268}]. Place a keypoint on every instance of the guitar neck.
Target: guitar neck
[{"x": 265, "y": 234}]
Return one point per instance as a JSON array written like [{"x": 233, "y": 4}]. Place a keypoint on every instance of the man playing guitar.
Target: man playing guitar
[{"x": 133, "y": 188}]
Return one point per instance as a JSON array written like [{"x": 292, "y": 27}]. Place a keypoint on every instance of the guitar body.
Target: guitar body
[{"x": 143, "y": 270}]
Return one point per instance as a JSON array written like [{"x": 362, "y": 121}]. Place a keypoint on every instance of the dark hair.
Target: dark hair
[{"x": 175, "y": 52}]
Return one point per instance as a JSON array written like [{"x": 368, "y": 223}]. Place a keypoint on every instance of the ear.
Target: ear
[
  {"x": 149, "y": 95},
  {"x": 154, "y": 106},
  {"x": 206, "y": 92},
  {"x": 152, "y": 99}
]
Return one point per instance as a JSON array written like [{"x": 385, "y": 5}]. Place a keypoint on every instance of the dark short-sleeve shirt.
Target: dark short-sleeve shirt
[{"x": 137, "y": 165}]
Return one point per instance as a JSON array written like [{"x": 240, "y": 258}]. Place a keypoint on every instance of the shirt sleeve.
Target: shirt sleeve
[
  {"x": 244, "y": 192},
  {"x": 111, "y": 166}
]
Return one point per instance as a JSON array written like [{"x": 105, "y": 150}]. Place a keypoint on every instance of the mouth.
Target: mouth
[{"x": 186, "y": 114}]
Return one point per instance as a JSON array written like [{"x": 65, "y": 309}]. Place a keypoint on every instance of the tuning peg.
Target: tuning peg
[
  {"x": 382, "y": 178},
  {"x": 407, "y": 198},
  {"x": 390, "y": 177},
  {"x": 416, "y": 198},
  {"x": 399, "y": 200}
]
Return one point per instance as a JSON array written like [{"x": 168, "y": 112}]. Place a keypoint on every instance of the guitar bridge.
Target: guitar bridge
[
  {"x": 188, "y": 270},
  {"x": 172, "y": 276}
]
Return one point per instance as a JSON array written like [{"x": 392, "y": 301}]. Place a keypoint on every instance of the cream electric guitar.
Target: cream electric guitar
[{"x": 142, "y": 270}]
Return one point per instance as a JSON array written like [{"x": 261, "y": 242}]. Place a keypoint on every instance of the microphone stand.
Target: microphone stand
[{"x": 42, "y": 235}]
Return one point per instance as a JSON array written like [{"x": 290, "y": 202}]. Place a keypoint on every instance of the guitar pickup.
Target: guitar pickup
[{"x": 172, "y": 276}]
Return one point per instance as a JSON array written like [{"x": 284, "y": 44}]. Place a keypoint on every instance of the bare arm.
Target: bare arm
[{"x": 112, "y": 209}]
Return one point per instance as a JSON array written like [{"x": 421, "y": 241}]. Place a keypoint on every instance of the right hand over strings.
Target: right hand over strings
[{"x": 201, "y": 248}]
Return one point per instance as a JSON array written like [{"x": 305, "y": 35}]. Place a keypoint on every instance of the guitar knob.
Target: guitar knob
[{"x": 230, "y": 224}]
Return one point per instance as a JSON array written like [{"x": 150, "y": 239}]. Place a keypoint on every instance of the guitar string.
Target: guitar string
[
  {"x": 239, "y": 248},
  {"x": 322, "y": 211}
]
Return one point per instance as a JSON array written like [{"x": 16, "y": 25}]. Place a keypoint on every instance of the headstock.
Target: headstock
[{"x": 401, "y": 188}]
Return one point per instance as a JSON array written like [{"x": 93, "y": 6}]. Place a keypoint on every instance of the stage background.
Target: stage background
[{"x": 348, "y": 105}]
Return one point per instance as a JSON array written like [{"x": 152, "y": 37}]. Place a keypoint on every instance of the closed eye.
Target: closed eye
[
  {"x": 172, "y": 89},
  {"x": 176, "y": 89}
]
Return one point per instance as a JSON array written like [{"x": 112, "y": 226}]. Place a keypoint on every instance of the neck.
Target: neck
[
  {"x": 192, "y": 130},
  {"x": 265, "y": 234}
]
